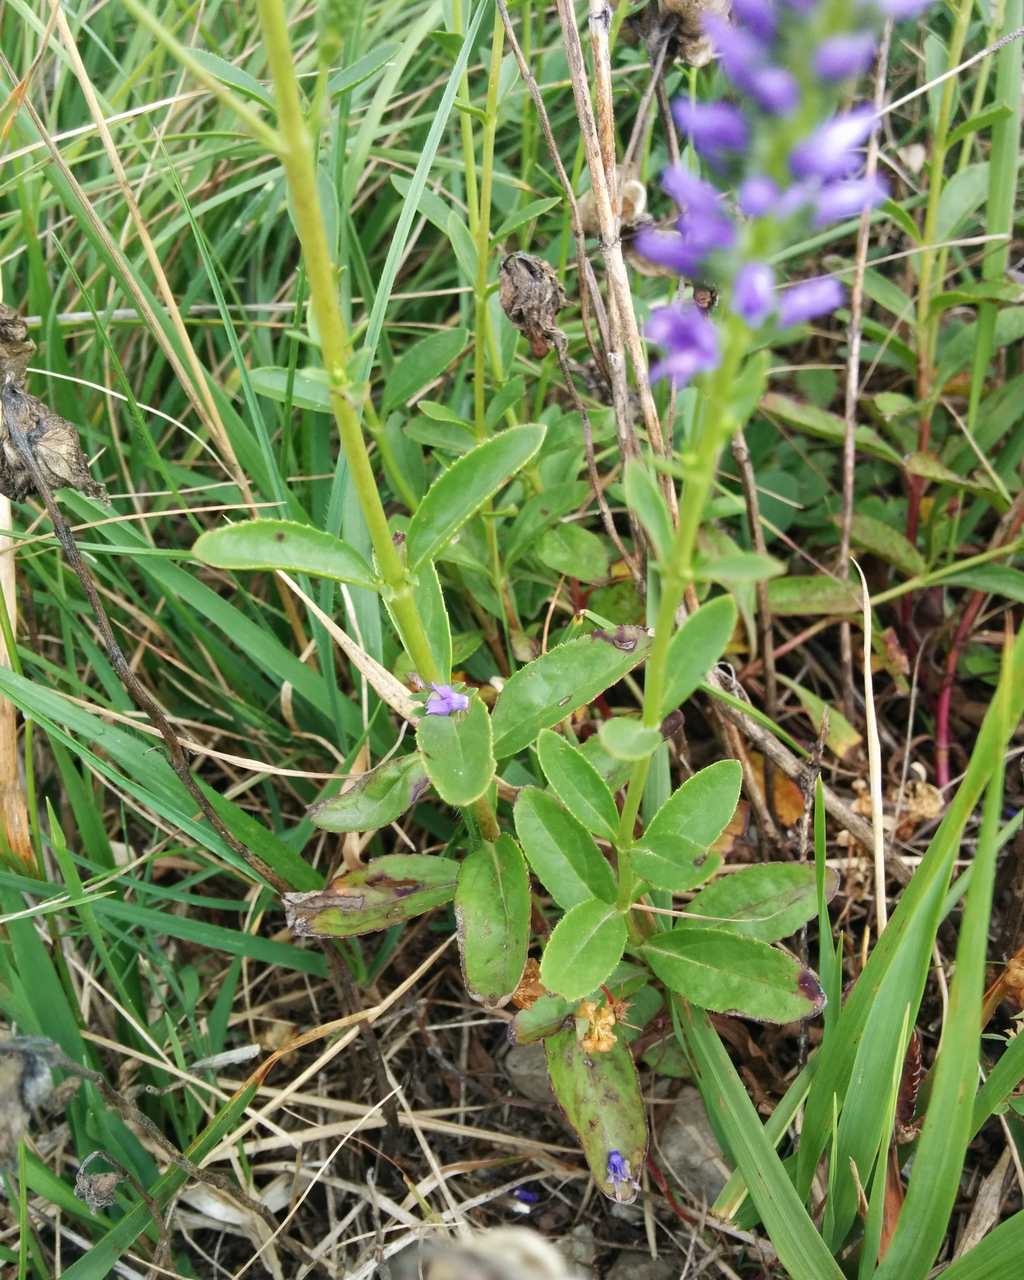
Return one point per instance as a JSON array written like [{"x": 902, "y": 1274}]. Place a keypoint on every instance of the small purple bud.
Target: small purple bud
[
  {"x": 712, "y": 127},
  {"x": 757, "y": 196},
  {"x": 831, "y": 150},
  {"x": 774, "y": 89},
  {"x": 753, "y": 292},
  {"x": 668, "y": 249},
  {"x": 841, "y": 57},
  {"x": 525, "y": 1196},
  {"x": 758, "y": 16},
  {"x": 618, "y": 1169},
  {"x": 809, "y": 299},
  {"x": 838, "y": 200},
  {"x": 690, "y": 340},
  {"x": 899, "y": 10},
  {"x": 444, "y": 700}
]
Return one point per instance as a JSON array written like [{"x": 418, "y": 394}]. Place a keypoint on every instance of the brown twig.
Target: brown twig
[
  {"x": 13, "y": 811},
  {"x": 133, "y": 686},
  {"x": 853, "y": 383}
]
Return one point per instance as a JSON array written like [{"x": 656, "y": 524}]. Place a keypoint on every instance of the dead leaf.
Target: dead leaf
[{"x": 787, "y": 798}]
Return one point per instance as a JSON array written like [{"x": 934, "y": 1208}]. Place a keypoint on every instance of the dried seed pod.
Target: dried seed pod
[
  {"x": 695, "y": 48},
  {"x": 25, "y": 1085},
  {"x": 531, "y": 297},
  {"x": 16, "y": 347}
]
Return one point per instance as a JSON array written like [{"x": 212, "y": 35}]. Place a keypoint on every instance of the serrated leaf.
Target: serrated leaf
[
  {"x": 385, "y": 892},
  {"x": 720, "y": 971},
  {"x": 377, "y": 797},
  {"x": 560, "y": 850},
  {"x": 673, "y": 852},
  {"x": 625, "y": 738},
  {"x": 283, "y": 544},
  {"x": 460, "y": 491},
  {"x": 492, "y": 913},
  {"x": 456, "y": 752},
  {"x": 584, "y": 947},
  {"x": 578, "y": 784},
  {"x": 600, "y": 1095},
  {"x": 554, "y": 685},
  {"x": 768, "y": 902},
  {"x": 812, "y": 593},
  {"x": 575, "y": 552},
  {"x": 695, "y": 648}
]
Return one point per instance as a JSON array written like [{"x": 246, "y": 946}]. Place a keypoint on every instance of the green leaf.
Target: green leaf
[
  {"x": 645, "y": 500},
  {"x": 996, "y": 579},
  {"x": 812, "y": 593},
  {"x": 747, "y": 566},
  {"x": 600, "y": 1095},
  {"x": 467, "y": 484},
  {"x": 283, "y": 544},
  {"x": 674, "y": 847},
  {"x": 578, "y": 784},
  {"x": 768, "y": 902},
  {"x": 305, "y": 389},
  {"x": 526, "y": 214},
  {"x": 585, "y": 946},
  {"x": 492, "y": 914},
  {"x": 376, "y": 798},
  {"x": 841, "y": 737},
  {"x": 929, "y": 467},
  {"x": 540, "y": 512},
  {"x": 542, "y": 1019},
  {"x": 361, "y": 70},
  {"x": 561, "y": 852},
  {"x": 627, "y": 739},
  {"x": 457, "y": 753},
  {"x": 996, "y": 1257},
  {"x": 575, "y": 552},
  {"x": 889, "y": 544},
  {"x": 553, "y": 686},
  {"x": 825, "y": 425},
  {"x": 695, "y": 648},
  {"x": 422, "y": 363},
  {"x": 385, "y": 892},
  {"x": 962, "y": 193},
  {"x": 726, "y": 973},
  {"x": 234, "y": 77},
  {"x": 975, "y": 123}
]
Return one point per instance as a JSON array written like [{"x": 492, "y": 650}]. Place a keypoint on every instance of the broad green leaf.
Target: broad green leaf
[
  {"x": 695, "y": 648},
  {"x": 996, "y": 1257},
  {"x": 556, "y": 684},
  {"x": 457, "y": 753},
  {"x": 627, "y": 739},
  {"x": 675, "y": 844},
  {"x": 996, "y": 579},
  {"x": 305, "y": 389},
  {"x": 813, "y": 593},
  {"x": 492, "y": 914},
  {"x": 825, "y": 425},
  {"x": 962, "y": 193},
  {"x": 467, "y": 484},
  {"x": 976, "y": 122},
  {"x": 726, "y": 973},
  {"x": 928, "y": 467},
  {"x": 600, "y": 1095},
  {"x": 234, "y": 77},
  {"x": 445, "y": 436},
  {"x": 376, "y": 798},
  {"x": 841, "y": 736},
  {"x": 574, "y": 551},
  {"x": 385, "y": 892},
  {"x": 526, "y": 214},
  {"x": 577, "y": 784},
  {"x": 645, "y": 500},
  {"x": 283, "y": 544},
  {"x": 768, "y": 902},
  {"x": 421, "y": 364},
  {"x": 542, "y": 1019},
  {"x": 747, "y": 566},
  {"x": 584, "y": 947},
  {"x": 883, "y": 540},
  {"x": 361, "y": 70},
  {"x": 560, "y": 850},
  {"x": 539, "y": 513}
]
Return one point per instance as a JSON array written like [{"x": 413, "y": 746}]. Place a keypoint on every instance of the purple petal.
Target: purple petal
[
  {"x": 841, "y": 57},
  {"x": 668, "y": 249},
  {"x": 739, "y": 52},
  {"x": 753, "y": 292},
  {"x": 774, "y": 89},
  {"x": 758, "y": 16},
  {"x": 444, "y": 700},
  {"x": 757, "y": 196},
  {"x": 809, "y": 299},
  {"x": 618, "y": 1168},
  {"x": 838, "y": 200},
  {"x": 830, "y": 151},
  {"x": 689, "y": 191},
  {"x": 712, "y": 127},
  {"x": 691, "y": 339},
  {"x": 899, "y": 10}
]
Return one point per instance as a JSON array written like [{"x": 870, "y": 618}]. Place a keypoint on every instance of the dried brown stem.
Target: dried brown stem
[{"x": 13, "y": 812}]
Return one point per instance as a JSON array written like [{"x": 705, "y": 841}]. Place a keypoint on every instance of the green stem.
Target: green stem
[
  {"x": 335, "y": 345},
  {"x": 483, "y": 232}
]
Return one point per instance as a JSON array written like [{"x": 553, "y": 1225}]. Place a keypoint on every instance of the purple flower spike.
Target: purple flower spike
[
  {"x": 444, "y": 700},
  {"x": 831, "y": 150},
  {"x": 757, "y": 196},
  {"x": 810, "y": 299},
  {"x": 840, "y": 200},
  {"x": 841, "y": 57},
  {"x": 775, "y": 90},
  {"x": 690, "y": 339},
  {"x": 758, "y": 16},
  {"x": 753, "y": 292},
  {"x": 713, "y": 127}
]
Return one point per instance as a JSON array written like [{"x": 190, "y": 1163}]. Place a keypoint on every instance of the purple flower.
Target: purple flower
[
  {"x": 713, "y": 127},
  {"x": 757, "y": 196},
  {"x": 774, "y": 89},
  {"x": 444, "y": 700},
  {"x": 809, "y": 299},
  {"x": 838, "y": 200},
  {"x": 744, "y": 61},
  {"x": 831, "y": 150},
  {"x": 898, "y": 10},
  {"x": 757, "y": 16},
  {"x": 690, "y": 192},
  {"x": 668, "y": 249},
  {"x": 753, "y": 292},
  {"x": 619, "y": 1172},
  {"x": 690, "y": 339},
  {"x": 840, "y": 57},
  {"x": 525, "y": 1196}
]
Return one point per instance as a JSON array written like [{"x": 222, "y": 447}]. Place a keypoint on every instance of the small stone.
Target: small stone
[
  {"x": 687, "y": 1147},
  {"x": 633, "y": 1266},
  {"x": 526, "y": 1066}
]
